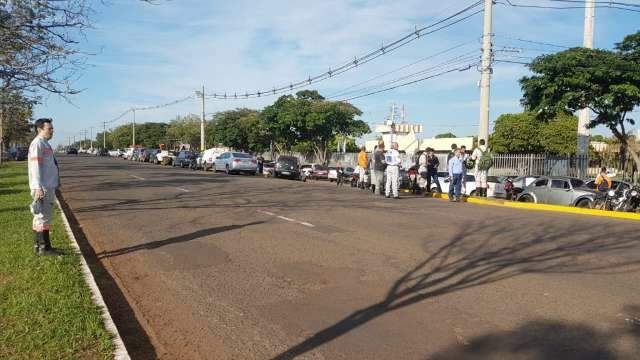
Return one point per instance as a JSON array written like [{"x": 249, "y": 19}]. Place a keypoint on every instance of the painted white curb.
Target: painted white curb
[{"x": 120, "y": 352}]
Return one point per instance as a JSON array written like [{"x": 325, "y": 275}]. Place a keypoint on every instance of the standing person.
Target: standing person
[
  {"x": 43, "y": 182},
  {"x": 392, "y": 159},
  {"x": 423, "y": 173},
  {"x": 379, "y": 168},
  {"x": 451, "y": 155},
  {"x": 433, "y": 163},
  {"x": 260, "y": 161},
  {"x": 464, "y": 156},
  {"x": 363, "y": 162},
  {"x": 603, "y": 182},
  {"x": 479, "y": 172},
  {"x": 456, "y": 173},
  {"x": 372, "y": 169}
]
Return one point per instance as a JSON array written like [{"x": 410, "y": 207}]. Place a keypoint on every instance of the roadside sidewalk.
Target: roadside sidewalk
[{"x": 47, "y": 310}]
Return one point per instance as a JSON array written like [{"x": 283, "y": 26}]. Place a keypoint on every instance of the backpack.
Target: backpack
[{"x": 486, "y": 161}]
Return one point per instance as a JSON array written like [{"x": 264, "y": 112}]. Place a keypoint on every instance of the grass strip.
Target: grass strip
[{"x": 46, "y": 310}]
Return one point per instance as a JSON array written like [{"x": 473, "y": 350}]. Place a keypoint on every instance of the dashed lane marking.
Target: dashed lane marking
[
  {"x": 287, "y": 219},
  {"x": 138, "y": 177},
  {"x": 182, "y": 189}
]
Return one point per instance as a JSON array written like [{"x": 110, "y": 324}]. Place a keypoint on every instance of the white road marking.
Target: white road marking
[
  {"x": 286, "y": 218},
  {"x": 182, "y": 189},
  {"x": 137, "y": 177}
]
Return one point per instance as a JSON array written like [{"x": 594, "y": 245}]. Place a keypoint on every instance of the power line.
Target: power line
[
  {"x": 465, "y": 68},
  {"x": 534, "y": 42},
  {"x": 599, "y": 2},
  {"x": 334, "y": 95},
  {"x": 509, "y": 2},
  {"x": 357, "y": 61},
  {"x": 456, "y": 61}
]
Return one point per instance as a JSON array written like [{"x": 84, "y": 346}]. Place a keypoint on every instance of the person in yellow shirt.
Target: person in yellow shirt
[
  {"x": 363, "y": 164},
  {"x": 603, "y": 183}
]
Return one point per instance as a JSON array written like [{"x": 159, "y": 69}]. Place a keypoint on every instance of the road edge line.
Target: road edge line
[
  {"x": 120, "y": 351},
  {"x": 544, "y": 207}
]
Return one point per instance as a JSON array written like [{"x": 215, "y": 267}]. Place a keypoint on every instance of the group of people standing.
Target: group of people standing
[{"x": 384, "y": 167}]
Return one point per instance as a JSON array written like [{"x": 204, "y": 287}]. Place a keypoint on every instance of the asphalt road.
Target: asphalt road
[{"x": 208, "y": 266}]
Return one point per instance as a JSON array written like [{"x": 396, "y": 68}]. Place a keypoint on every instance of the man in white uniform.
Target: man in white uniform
[
  {"x": 481, "y": 175},
  {"x": 392, "y": 159},
  {"x": 43, "y": 182}
]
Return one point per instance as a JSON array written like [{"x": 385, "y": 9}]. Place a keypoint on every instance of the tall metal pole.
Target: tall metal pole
[
  {"x": 485, "y": 80},
  {"x": 104, "y": 135},
  {"x": 91, "y": 137},
  {"x": 134, "y": 129},
  {"x": 585, "y": 114},
  {"x": 202, "y": 122}
]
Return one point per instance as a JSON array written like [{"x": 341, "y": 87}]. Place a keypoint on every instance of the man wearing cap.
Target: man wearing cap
[{"x": 43, "y": 182}]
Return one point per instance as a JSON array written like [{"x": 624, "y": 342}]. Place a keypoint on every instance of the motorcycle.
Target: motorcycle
[
  {"x": 632, "y": 203},
  {"x": 613, "y": 200}
]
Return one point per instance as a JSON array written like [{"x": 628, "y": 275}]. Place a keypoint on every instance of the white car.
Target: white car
[
  {"x": 494, "y": 189},
  {"x": 209, "y": 156}
]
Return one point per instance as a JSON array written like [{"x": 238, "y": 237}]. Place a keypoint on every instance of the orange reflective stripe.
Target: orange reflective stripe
[{"x": 36, "y": 158}]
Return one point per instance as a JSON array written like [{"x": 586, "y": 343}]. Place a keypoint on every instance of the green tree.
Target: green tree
[
  {"x": 445, "y": 136},
  {"x": 151, "y": 134},
  {"x": 559, "y": 135},
  {"x": 516, "y": 133},
  {"x": 121, "y": 136},
  {"x": 240, "y": 129},
  {"x": 15, "y": 112},
  {"x": 107, "y": 140},
  {"x": 604, "y": 81},
  {"x": 598, "y": 138},
  {"x": 185, "y": 130}
]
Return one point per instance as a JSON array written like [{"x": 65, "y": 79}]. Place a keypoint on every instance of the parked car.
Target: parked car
[
  {"x": 443, "y": 178},
  {"x": 319, "y": 172},
  {"x": 116, "y": 153},
  {"x": 307, "y": 169},
  {"x": 347, "y": 172},
  {"x": 236, "y": 162},
  {"x": 209, "y": 156},
  {"x": 72, "y": 151},
  {"x": 558, "y": 191},
  {"x": 102, "y": 152},
  {"x": 268, "y": 168},
  {"x": 183, "y": 158},
  {"x": 288, "y": 167},
  {"x": 623, "y": 185},
  {"x": 149, "y": 154}
]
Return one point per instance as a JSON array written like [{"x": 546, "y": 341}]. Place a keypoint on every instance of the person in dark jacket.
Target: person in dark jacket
[
  {"x": 432, "y": 170},
  {"x": 379, "y": 167}
]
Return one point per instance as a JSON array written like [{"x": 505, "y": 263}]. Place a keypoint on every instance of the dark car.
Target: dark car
[
  {"x": 183, "y": 159},
  {"x": 320, "y": 172},
  {"x": 102, "y": 152},
  {"x": 72, "y": 151},
  {"x": 288, "y": 167}
]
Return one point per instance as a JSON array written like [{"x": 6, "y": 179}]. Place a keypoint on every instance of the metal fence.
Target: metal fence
[{"x": 506, "y": 164}]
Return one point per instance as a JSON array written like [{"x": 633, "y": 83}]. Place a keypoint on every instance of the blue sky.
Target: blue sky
[{"x": 153, "y": 54}]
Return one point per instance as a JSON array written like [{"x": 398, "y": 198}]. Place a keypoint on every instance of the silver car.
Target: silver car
[
  {"x": 558, "y": 191},
  {"x": 236, "y": 162}
]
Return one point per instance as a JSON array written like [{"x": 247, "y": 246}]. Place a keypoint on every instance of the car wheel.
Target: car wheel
[
  {"x": 585, "y": 204},
  {"x": 473, "y": 193},
  {"x": 526, "y": 198}
]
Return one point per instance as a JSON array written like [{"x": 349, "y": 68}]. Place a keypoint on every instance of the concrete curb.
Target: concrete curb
[
  {"x": 543, "y": 207},
  {"x": 120, "y": 352}
]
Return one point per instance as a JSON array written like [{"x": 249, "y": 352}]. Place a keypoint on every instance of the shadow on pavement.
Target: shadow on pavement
[
  {"x": 133, "y": 334},
  {"x": 478, "y": 255},
  {"x": 174, "y": 240}
]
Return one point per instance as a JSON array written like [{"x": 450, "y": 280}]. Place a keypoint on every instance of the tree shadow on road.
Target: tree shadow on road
[
  {"x": 480, "y": 255},
  {"x": 174, "y": 240}
]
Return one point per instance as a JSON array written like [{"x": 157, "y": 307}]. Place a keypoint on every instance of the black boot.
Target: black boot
[
  {"x": 46, "y": 248},
  {"x": 484, "y": 192},
  {"x": 38, "y": 242}
]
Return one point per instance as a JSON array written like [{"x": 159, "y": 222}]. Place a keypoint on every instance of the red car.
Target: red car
[{"x": 319, "y": 172}]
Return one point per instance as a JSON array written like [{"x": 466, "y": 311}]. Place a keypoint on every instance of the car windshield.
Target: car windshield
[
  {"x": 350, "y": 169},
  {"x": 576, "y": 183},
  {"x": 241, "y": 156},
  {"x": 288, "y": 160},
  {"x": 321, "y": 168}
]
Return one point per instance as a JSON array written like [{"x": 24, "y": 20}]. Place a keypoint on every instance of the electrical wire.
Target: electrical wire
[
  {"x": 352, "y": 64},
  {"x": 510, "y": 3},
  {"x": 464, "y": 68},
  {"x": 534, "y": 42},
  {"x": 456, "y": 61},
  {"x": 340, "y": 93}
]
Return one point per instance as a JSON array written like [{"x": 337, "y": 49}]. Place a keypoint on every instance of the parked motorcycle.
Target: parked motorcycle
[
  {"x": 632, "y": 203},
  {"x": 612, "y": 200}
]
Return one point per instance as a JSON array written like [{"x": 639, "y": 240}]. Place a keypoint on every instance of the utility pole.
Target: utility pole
[
  {"x": 104, "y": 135},
  {"x": 133, "y": 145},
  {"x": 74, "y": 140},
  {"x": 85, "y": 137},
  {"x": 585, "y": 114},
  {"x": 202, "y": 122},
  {"x": 485, "y": 80},
  {"x": 91, "y": 137}
]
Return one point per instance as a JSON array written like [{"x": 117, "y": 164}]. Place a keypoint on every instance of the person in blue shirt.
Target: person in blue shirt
[{"x": 456, "y": 174}]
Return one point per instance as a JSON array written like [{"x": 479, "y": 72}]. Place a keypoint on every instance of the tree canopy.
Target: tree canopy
[
  {"x": 445, "y": 136},
  {"x": 607, "y": 82},
  {"x": 525, "y": 133}
]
